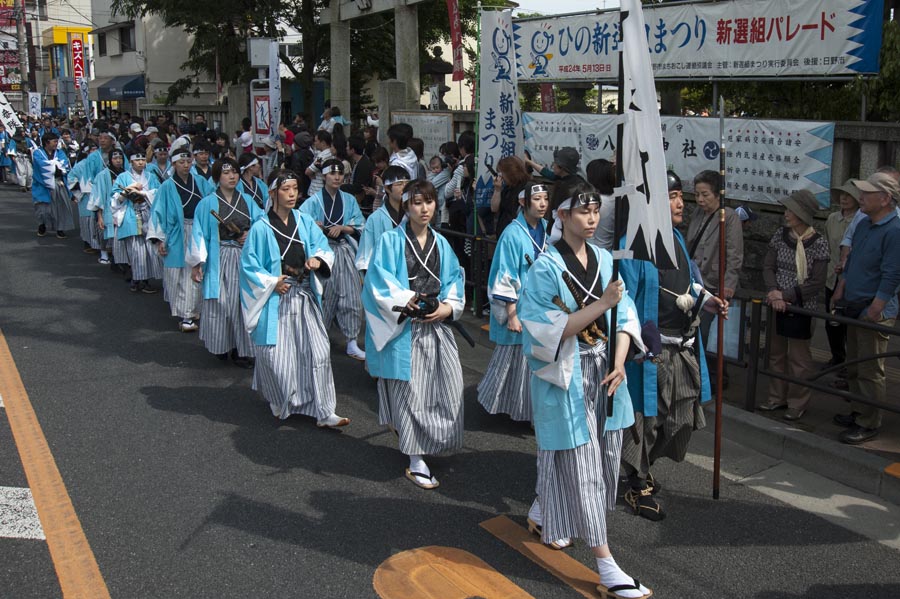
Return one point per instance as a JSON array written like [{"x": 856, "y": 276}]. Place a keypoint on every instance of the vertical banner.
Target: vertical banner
[
  {"x": 456, "y": 40},
  {"x": 274, "y": 87},
  {"x": 499, "y": 114},
  {"x": 548, "y": 98},
  {"x": 77, "y": 61},
  {"x": 86, "y": 100},
  {"x": 8, "y": 114},
  {"x": 34, "y": 104},
  {"x": 649, "y": 232}
]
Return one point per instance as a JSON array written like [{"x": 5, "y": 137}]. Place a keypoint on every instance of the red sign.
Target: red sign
[
  {"x": 548, "y": 98},
  {"x": 77, "y": 61},
  {"x": 456, "y": 40}
]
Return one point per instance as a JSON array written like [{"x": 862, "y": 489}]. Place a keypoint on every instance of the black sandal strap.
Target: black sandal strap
[{"x": 626, "y": 587}]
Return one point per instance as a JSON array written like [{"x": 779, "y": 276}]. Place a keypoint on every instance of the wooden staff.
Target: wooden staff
[{"x": 720, "y": 329}]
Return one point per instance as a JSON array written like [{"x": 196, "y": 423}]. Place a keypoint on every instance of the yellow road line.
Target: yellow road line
[
  {"x": 441, "y": 573},
  {"x": 77, "y": 570},
  {"x": 570, "y": 571},
  {"x": 893, "y": 470}
]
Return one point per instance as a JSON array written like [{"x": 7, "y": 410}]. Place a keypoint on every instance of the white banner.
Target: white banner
[
  {"x": 760, "y": 38},
  {"x": 765, "y": 160},
  {"x": 274, "y": 87},
  {"x": 649, "y": 232},
  {"x": 34, "y": 104},
  {"x": 499, "y": 115},
  {"x": 8, "y": 115},
  {"x": 86, "y": 100}
]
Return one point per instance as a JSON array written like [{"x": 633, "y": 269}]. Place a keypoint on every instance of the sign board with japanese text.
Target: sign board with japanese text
[
  {"x": 764, "y": 160},
  {"x": 758, "y": 38},
  {"x": 77, "y": 61},
  {"x": 499, "y": 115},
  {"x": 262, "y": 117},
  {"x": 10, "y": 73},
  {"x": 433, "y": 128},
  {"x": 34, "y": 104}
]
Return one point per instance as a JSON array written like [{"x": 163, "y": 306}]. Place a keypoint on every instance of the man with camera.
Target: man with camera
[{"x": 868, "y": 291}]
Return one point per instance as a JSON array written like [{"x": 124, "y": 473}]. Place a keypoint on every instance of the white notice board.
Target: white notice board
[{"x": 434, "y": 128}]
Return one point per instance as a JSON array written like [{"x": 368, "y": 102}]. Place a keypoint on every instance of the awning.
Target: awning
[{"x": 124, "y": 87}]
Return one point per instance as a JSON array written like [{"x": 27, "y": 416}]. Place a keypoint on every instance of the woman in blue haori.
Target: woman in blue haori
[
  {"x": 221, "y": 223},
  {"x": 579, "y": 446},
  {"x": 6, "y": 163},
  {"x": 339, "y": 217},
  {"x": 80, "y": 181},
  {"x": 173, "y": 216},
  {"x": 52, "y": 203},
  {"x": 412, "y": 286},
  {"x": 282, "y": 264},
  {"x": 386, "y": 218},
  {"x": 250, "y": 184},
  {"x": 19, "y": 150},
  {"x": 100, "y": 202},
  {"x": 131, "y": 202},
  {"x": 505, "y": 388},
  {"x": 161, "y": 167}
]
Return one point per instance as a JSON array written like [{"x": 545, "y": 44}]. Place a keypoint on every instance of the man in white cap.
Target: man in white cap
[{"x": 868, "y": 291}]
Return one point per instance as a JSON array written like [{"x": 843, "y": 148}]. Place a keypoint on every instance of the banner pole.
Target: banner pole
[
  {"x": 617, "y": 211},
  {"x": 720, "y": 322}
]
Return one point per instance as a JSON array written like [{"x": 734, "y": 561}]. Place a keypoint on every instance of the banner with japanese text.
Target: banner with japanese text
[
  {"x": 765, "y": 160},
  {"x": 758, "y": 38},
  {"x": 8, "y": 115},
  {"x": 499, "y": 115},
  {"x": 456, "y": 44},
  {"x": 34, "y": 104}
]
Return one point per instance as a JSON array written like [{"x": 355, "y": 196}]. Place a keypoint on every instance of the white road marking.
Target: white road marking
[{"x": 18, "y": 516}]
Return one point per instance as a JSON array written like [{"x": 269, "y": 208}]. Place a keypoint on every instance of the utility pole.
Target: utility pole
[{"x": 23, "y": 51}]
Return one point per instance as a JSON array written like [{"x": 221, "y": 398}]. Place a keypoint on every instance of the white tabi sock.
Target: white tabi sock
[
  {"x": 534, "y": 512},
  {"x": 417, "y": 464},
  {"x": 612, "y": 575},
  {"x": 104, "y": 255}
]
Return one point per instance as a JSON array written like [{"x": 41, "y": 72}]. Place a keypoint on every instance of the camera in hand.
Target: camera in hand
[{"x": 426, "y": 304}]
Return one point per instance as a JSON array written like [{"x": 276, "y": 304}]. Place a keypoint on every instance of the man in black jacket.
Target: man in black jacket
[{"x": 361, "y": 173}]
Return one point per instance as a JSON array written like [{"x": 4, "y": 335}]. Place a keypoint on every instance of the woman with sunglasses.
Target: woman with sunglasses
[
  {"x": 283, "y": 262},
  {"x": 505, "y": 388},
  {"x": 565, "y": 314}
]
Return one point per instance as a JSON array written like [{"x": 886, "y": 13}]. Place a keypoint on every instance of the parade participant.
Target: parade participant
[
  {"x": 215, "y": 255},
  {"x": 322, "y": 147},
  {"x": 161, "y": 166},
  {"x": 506, "y": 388},
  {"x": 564, "y": 337},
  {"x": 52, "y": 204},
  {"x": 412, "y": 351},
  {"x": 386, "y": 218},
  {"x": 173, "y": 218},
  {"x": 20, "y": 149},
  {"x": 69, "y": 146},
  {"x": 100, "y": 202},
  {"x": 250, "y": 184},
  {"x": 668, "y": 391},
  {"x": 98, "y": 161},
  {"x": 282, "y": 264},
  {"x": 80, "y": 185},
  {"x": 201, "y": 160},
  {"x": 6, "y": 162},
  {"x": 337, "y": 213},
  {"x": 131, "y": 202}
]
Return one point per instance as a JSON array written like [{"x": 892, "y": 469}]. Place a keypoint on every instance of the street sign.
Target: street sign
[{"x": 77, "y": 61}]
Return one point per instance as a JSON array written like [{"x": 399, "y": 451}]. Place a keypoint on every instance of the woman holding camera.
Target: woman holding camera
[
  {"x": 221, "y": 222},
  {"x": 132, "y": 199},
  {"x": 413, "y": 285}
]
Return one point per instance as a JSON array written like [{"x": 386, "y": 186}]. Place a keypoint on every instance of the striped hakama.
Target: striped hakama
[
  {"x": 222, "y": 326},
  {"x": 181, "y": 291},
  {"x": 24, "y": 169},
  {"x": 678, "y": 412},
  {"x": 90, "y": 232},
  {"x": 427, "y": 410},
  {"x": 62, "y": 208},
  {"x": 505, "y": 388},
  {"x": 43, "y": 212},
  {"x": 341, "y": 297},
  {"x": 576, "y": 487},
  {"x": 144, "y": 261},
  {"x": 295, "y": 374}
]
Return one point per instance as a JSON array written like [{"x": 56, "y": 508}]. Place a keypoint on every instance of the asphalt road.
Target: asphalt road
[{"x": 186, "y": 486}]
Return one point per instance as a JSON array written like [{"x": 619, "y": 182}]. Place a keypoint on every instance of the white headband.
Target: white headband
[{"x": 252, "y": 163}]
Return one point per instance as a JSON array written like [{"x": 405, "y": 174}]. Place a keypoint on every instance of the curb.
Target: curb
[{"x": 836, "y": 461}]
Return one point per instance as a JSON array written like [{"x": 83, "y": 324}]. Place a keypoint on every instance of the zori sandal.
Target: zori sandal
[
  {"x": 613, "y": 591},
  {"x": 643, "y": 504},
  {"x": 535, "y": 528},
  {"x": 418, "y": 477}
]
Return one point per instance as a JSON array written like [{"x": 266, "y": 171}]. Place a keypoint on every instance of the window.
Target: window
[
  {"x": 126, "y": 38},
  {"x": 43, "y": 15},
  {"x": 101, "y": 44}
]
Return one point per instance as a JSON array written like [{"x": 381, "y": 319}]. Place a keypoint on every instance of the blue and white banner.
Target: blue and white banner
[
  {"x": 499, "y": 114},
  {"x": 765, "y": 160},
  {"x": 757, "y": 38}
]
